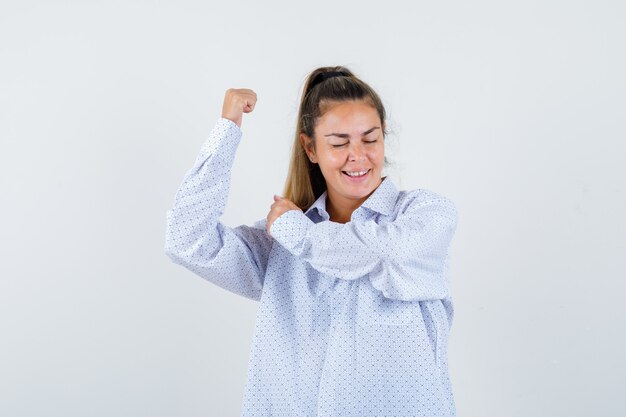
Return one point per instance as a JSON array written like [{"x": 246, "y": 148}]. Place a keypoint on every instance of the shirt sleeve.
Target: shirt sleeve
[
  {"x": 405, "y": 259},
  {"x": 232, "y": 258}
]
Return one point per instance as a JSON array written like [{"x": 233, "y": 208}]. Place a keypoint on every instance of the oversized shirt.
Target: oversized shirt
[{"x": 353, "y": 318}]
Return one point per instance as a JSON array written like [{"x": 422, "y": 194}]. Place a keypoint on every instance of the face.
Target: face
[{"x": 349, "y": 149}]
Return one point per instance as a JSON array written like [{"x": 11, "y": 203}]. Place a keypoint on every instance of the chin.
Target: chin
[{"x": 358, "y": 191}]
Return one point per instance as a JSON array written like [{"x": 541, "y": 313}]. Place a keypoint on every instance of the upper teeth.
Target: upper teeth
[{"x": 357, "y": 173}]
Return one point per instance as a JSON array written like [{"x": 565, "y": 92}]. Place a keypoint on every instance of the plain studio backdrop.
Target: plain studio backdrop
[{"x": 514, "y": 110}]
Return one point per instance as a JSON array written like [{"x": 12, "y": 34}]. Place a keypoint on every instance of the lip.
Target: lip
[{"x": 357, "y": 179}]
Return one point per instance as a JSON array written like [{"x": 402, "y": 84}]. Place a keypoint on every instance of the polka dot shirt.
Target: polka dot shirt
[{"x": 353, "y": 319}]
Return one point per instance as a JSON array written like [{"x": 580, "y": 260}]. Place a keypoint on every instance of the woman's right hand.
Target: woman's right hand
[{"x": 236, "y": 102}]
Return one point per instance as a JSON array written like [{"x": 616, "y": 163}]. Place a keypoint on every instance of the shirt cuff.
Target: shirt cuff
[
  {"x": 228, "y": 122},
  {"x": 224, "y": 130},
  {"x": 290, "y": 230}
]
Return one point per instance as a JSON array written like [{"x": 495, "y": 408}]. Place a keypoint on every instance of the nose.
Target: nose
[{"x": 357, "y": 152}]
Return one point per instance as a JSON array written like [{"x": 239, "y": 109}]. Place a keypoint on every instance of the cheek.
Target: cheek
[
  {"x": 377, "y": 156},
  {"x": 331, "y": 160}
]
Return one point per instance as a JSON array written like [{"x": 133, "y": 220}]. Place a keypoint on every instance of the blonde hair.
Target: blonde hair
[{"x": 305, "y": 182}]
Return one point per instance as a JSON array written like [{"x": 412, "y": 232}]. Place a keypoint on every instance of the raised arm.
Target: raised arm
[
  {"x": 233, "y": 258},
  {"x": 406, "y": 259}
]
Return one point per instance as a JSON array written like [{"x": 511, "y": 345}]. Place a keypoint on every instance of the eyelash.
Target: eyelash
[{"x": 344, "y": 144}]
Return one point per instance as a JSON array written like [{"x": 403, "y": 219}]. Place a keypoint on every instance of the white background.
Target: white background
[{"x": 514, "y": 110}]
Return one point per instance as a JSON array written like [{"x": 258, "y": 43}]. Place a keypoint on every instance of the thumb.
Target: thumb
[{"x": 277, "y": 197}]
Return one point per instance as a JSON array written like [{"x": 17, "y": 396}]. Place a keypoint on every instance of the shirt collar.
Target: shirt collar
[
  {"x": 382, "y": 200},
  {"x": 320, "y": 206}
]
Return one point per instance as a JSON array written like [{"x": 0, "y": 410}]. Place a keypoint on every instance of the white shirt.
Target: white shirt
[{"x": 354, "y": 318}]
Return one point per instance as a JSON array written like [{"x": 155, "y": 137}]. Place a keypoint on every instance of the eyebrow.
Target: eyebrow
[{"x": 345, "y": 135}]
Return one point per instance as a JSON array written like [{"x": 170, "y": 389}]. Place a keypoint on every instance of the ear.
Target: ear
[{"x": 307, "y": 144}]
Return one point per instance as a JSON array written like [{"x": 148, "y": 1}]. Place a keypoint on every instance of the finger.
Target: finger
[
  {"x": 249, "y": 103},
  {"x": 248, "y": 106}
]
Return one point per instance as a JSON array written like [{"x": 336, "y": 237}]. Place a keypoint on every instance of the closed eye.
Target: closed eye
[{"x": 339, "y": 146}]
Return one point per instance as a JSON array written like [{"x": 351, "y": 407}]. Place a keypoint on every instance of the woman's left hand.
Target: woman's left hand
[{"x": 280, "y": 206}]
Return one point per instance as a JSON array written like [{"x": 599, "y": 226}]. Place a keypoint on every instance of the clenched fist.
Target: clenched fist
[{"x": 236, "y": 102}]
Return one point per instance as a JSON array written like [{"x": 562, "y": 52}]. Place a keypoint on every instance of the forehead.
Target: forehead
[{"x": 349, "y": 116}]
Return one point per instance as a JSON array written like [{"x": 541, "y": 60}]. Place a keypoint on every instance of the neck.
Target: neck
[
  {"x": 340, "y": 208},
  {"x": 341, "y": 211}
]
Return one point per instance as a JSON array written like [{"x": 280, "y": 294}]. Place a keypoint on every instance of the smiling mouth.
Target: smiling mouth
[{"x": 356, "y": 174}]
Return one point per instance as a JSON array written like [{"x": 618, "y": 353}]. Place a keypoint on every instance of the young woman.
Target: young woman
[{"x": 351, "y": 273}]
